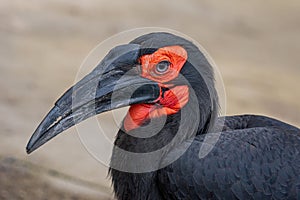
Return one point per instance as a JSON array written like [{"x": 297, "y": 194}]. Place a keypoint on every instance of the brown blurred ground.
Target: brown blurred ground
[
  {"x": 42, "y": 44},
  {"x": 22, "y": 180}
]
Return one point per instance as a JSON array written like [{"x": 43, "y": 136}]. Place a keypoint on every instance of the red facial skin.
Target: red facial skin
[{"x": 173, "y": 99}]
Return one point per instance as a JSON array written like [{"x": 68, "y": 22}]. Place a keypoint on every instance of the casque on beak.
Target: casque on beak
[{"x": 114, "y": 83}]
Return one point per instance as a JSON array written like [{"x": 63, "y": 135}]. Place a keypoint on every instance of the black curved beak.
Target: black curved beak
[{"x": 114, "y": 83}]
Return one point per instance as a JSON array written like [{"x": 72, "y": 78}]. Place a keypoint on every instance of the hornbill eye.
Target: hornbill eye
[{"x": 162, "y": 67}]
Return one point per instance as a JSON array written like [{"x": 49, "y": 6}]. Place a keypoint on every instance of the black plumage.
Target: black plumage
[
  {"x": 255, "y": 158},
  {"x": 249, "y": 161}
]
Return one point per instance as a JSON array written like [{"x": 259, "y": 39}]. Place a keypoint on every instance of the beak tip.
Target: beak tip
[
  {"x": 38, "y": 137},
  {"x": 28, "y": 151},
  {"x": 29, "y": 148},
  {"x": 32, "y": 145}
]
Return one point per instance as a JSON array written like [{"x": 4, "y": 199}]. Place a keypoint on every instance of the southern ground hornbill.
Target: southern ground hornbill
[{"x": 172, "y": 144}]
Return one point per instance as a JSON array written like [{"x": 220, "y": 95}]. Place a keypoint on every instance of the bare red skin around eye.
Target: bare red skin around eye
[
  {"x": 172, "y": 100},
  {"x": 176, "y": 55}
]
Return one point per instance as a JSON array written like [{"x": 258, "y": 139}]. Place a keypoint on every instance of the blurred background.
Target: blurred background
[{"x": 255, "y": 44}]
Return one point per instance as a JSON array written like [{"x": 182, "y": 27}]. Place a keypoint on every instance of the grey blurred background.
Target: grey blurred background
[{"x": 255, "y": 44}]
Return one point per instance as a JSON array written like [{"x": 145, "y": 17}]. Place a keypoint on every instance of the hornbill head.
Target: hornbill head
[{"x": 157, "y": 75}]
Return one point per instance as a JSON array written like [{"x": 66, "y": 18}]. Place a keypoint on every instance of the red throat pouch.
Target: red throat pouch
[{"x": 169, "y": 102}]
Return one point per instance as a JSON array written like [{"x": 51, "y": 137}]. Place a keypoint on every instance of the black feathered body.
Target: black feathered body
[{"x": 255, "y": 157}]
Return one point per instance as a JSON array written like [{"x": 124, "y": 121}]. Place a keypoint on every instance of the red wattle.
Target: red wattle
[{"x": 171, "y": 102}]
